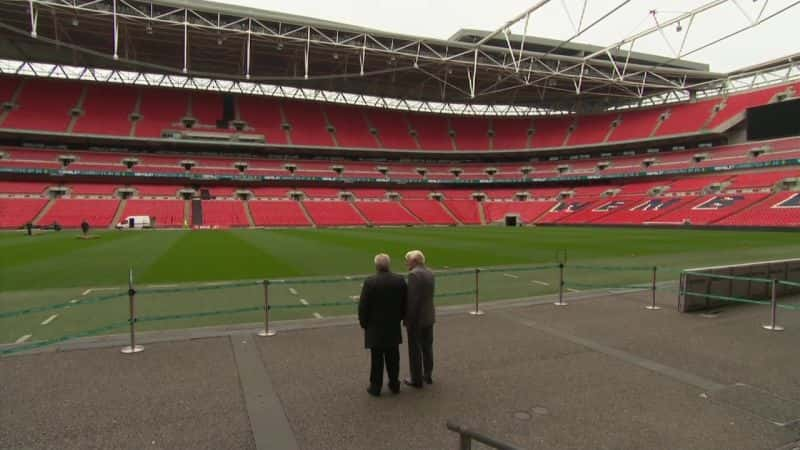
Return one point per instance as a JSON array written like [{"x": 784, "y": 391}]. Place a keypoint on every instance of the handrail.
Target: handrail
[{"x": 466, "y": 436}]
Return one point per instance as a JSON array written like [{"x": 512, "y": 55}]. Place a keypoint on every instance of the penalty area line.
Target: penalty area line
[
  {"x": 509, "y": 275},
  {"x": 317, "y": 315},
  {"x": 304, "y": 301},
  {"x": 23, "y": 339},
  {"x": 540, "y": 282}
]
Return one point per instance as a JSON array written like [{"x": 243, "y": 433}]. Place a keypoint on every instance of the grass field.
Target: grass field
[{"x": 57, "y": 268}]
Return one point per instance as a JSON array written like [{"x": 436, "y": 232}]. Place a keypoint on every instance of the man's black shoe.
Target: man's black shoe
[
  {"x": 412, "y": 384},
  {"x": 429, "y": 380},
  {"x": 394, "y": 387},
  {"x": 374, "y": 392}
]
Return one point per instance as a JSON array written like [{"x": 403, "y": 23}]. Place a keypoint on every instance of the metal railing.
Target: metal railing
[{"x": 466, "y": 436}]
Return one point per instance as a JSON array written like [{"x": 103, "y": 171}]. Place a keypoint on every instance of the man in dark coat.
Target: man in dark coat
[
  {"x": 380, "y": 311},
  {"x": 419, "y": 319}
]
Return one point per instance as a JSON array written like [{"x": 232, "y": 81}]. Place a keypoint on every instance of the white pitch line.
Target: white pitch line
[
  {"x": 162, "y": 285},
  {"x": 304, "y": 301},
  {"x": 22, "y": 339},
  {"x": 87, "y": 292},
  {"x": 509, "y": 275},
  {"x": 90, "y": 290},
  {"x": 540, "y": 282},
  {"x": 74, "y": 300},
  {"x": 317, "y": 315},
  {"x": 355, "y": 297},
  {"x": 49, "y": 319},
  {"x": 293, "y": 291},
  {"x": 572, "y": 290},
  {"x": 348, "y": 278}
]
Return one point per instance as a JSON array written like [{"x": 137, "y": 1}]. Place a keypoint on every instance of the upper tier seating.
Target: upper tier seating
[
  {"x": 308, "y": 124},
  {"x": 263, "y": 116},
  {"x": 429, "y": 212},
  {"x": 71, "y": 212},
  {"x": 761, "y": 179},
  {"x": 102, "y": 115},
  {"x": 167, "y": 213},
  {"x": 44, "y": 105},
  {"x": 386, "y": 213},
  {"x": 161, "y": 109},
  {"x": 333, "y": 213},
  {"x": 281, "y": 213},
  {"x": 16, "y": 212},
  {"x": 92, "y": 188},
  {"x": 224, "y": 213}
]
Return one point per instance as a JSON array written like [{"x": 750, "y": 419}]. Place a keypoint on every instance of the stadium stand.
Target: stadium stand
[
  {"x": 44, "y": 105},
  {"x": 160, "y": 110},
  {"x": 224, "y": 213},
  {"x": 308, "y": 126},
  {"x": 710, "y": 209},
  {"x": 263, "y": 116},
  {"x": 167, "y": 213},
  {"x": 352, "y": 128},
  {"x": 528, "y": 212},
  {"x": 22, "y": 187},
  {"x": 101, "y": 116},
  {"x": 333, "y": 213},
  {"x": 779, "y": 210},
  {"x": 282, "y": 213},
  {"x": 466, "y": 211},
  {"x": 429, "y": 212},
  {"x": 70, "y": 212},
  {"x": 386, "y": 213},
  {"x": 16, "y": 212}
]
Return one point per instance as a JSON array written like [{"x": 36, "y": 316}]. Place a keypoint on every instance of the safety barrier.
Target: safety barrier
[
  {"x": 266, "y": 300},
  {"x": 467, "y": 435}
]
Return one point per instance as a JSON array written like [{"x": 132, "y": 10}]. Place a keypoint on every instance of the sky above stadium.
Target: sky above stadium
[{"x": 558, "y": 20}]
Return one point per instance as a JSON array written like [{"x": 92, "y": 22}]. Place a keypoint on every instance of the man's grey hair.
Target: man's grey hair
[
  {"x": 415, "y": 255},
  {"x": 382, "y": 261}
]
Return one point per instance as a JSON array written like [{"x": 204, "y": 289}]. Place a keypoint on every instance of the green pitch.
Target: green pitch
[{"x": 172, "y": 269}]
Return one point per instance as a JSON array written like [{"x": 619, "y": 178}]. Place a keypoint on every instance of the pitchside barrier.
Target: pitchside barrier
[
  {"x": 760, "y": 283},
  {"x": 171, "y": 306}
]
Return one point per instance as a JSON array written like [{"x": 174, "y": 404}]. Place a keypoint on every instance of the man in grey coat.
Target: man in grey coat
[{"x": 419, "y": 319}]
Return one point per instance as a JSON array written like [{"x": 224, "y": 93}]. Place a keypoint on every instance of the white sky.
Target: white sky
[{"x": 441, "y": 18}]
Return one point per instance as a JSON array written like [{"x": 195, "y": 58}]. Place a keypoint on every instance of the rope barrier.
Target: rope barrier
[
  {"x": 197, "y": 288},
  {"x": 608, "y": 286},
  {"x": 612, "y": 268},
  {"x": 217, "y": 312},
  {"x": 56, "y": 306},
  {"x": 47, "y": 342},
  {"x": 518, "y": 269},
  {"x": 789, "y": 283}
]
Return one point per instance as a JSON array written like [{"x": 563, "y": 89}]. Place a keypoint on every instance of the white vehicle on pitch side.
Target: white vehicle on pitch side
[{"x": 135, "y": 222}]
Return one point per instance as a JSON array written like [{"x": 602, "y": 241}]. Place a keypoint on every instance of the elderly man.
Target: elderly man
[
  {"x": 380, "y": 311},
  {"x": 419, "y": 319}
]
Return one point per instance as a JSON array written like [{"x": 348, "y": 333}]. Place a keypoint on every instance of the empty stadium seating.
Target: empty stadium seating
[
  {"x": 16, "y": 212},
  {"x": 69, "y": 212},
  {"x": 44, "y": 105},
  {"x": 386, "y": 213},
  {"x": 283, "y": 213},
  {"x": 333, "y": 213},
  {"x": 528, "y": 212},
  {"x": 167, "y": 213},
  {"x": 466, "y": 211},
  {"x": 779, "y": 210},
  {"x": 429, "y": 212},
  {"x": 224, "y": 213}
]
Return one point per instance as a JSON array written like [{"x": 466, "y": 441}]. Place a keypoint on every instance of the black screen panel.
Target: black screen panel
[{"x": 776, "y": 120}]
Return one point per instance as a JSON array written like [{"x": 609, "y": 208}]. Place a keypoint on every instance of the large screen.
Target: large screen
[{"x": 773, "y": 121}]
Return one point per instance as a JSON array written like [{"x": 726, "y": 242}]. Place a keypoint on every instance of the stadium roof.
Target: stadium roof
[{"x": 206, "y": 39}]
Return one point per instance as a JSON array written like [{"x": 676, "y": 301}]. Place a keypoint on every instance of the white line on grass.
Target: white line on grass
[
  {"x": 162, "y": 285},
  {"x": 355, "y": 298},
  {"x": 90, "y": 290},
  {"x": 293, "y": 291},
  {"x": 540, "y": 282},
  {"x": 74, "y": 300},
  {"x": 22, "y": 339},
  {"x": 317, "y": 315},
  {"x": 49, "y": 319},
  {"x": 572, "y": 290},
  {"x": 509, "y": 275},
  {"x": 304, "y": 301}
]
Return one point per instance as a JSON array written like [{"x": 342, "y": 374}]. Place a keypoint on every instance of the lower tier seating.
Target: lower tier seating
[
  {"x": 333, "y": 213},
  {"x": 69, "y": 212},
  {"x": 429, "y": 211},
  {"x": 16, "y": 212},
  {"x": 224, "y": 213},
  {"x": 167, "y": 213},
  {"x": 386, "y": 213},
  {"x": 282, "y": 213}
]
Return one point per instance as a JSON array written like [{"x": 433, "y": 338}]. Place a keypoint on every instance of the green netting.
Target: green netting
[
  {"x": 729, "y": 277},
  {"x": 726, "y": 298}
]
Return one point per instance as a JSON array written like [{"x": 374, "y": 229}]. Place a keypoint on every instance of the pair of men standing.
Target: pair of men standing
[{"x": 386, "y": 300}]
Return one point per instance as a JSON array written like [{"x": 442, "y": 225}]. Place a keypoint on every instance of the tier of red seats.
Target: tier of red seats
[
  {"x": 263, "y": 116},
  {"x": 527, "y": 211},
  {"x": 705, "y": 210},
  {"x": 770, "y": 212},
  {"x": 106, "y": 110},
  {"x": 352, "y": 129},
  {"x": 44, "y": 105},
  {"x": 308, "y": 124},
  {"x": 333, "y": 213},
  {"x": 206, "y": 109},
  {"x": 471, "y": 133},
  {"x": 386, "y": 213},
  {"x": 22, "y": 187},
  {"x": 635, "y": 125},
  {"x": 224, "y": 213},
  {"x": 167, "y": 213},
  {"x": 761, "y": 179},
  {"x": 16, "y": 212},
  {"x": 161, "y": 109},
  {"x": 432, "y": 131},
  {"x": 429, "y": 211},
  {"x": 591, "y": 130},
  {"x": 392, "y": 129},
  {"x": 278, "y": 213},
  {"x": 466, "y": 211},
  {"x": 70, "y": 212}
]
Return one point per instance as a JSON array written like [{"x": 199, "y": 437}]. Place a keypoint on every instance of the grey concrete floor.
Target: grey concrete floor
[{"x": 600, "y": 373}]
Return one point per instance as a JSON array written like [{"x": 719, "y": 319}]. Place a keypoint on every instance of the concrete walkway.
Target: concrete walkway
[{"x": 602, "y": 372}]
